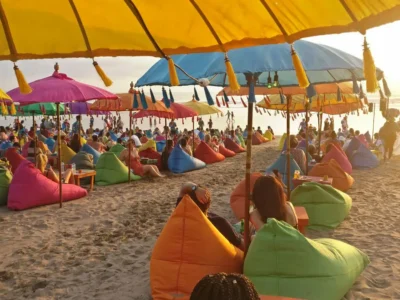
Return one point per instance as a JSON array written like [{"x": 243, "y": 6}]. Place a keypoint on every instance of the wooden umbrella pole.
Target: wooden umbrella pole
[
  {"x": 79, "y": 130},
  {"x": 59, "y": 152},
  {"x": 129, "y": 146},
  {"x": 34, "y": 137},
  {"x": 247, "y": 179},
  {"x": 319, "y": 131},
  {"x": 373, "y": 123},
  {"x": 165, "y": 129},
  {"x": 307, "y": 120},
  {"x": 193, "y": 136},
  {"x": 288, "y": 177}
]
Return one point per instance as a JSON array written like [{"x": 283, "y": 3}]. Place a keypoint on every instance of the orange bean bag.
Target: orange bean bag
[
  {"x": 188, "y": 248},
  {"x": 238, "y": 195},
  {"x": 207, "y": 155},
  {"x": 144, "y": 139},
  {"x": 226, "y": 152},
  {"x": 231, "y": 145},
  {"x": 255, "y": 140},
  {"x": 340, "y": 157},
  {"x": 260, "y": 137},
  {"x": 341, "y": 180},
  {"x": 152, "y": 154},
  {"x": 14, "y": 158}
]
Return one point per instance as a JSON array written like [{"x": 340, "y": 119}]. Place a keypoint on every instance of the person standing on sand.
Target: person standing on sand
[
  {"x": 201, "y": 124},
  {"x": 388, "y": 134}
]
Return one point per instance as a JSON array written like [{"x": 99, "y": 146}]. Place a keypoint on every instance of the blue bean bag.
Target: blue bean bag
[
  {"x": 363, "y": 158},
  {"x": 50, "y": 142},
  {"x": 180, "y": 162},
  {"x": 283, "y": 262},
  {"x": 88, "y": 149},
  {"x": 6, "y": 145},
  {"x": 113, "y": 136},
  {"x": 160, "y": 146},
  {"x": 201, "y": 135},
  {"x": 280, "y": 164},
  {"x": 352, "y": 147}
]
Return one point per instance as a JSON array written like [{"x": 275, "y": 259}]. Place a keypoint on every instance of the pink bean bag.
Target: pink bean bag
[
  {"x": 226, "y": 152},
  {"x": 160, "y": 138},
  {"x": 30, "y": 188},
  {"x": 25, "y": 149},
  {"x": 208, "y": 155},
  {"x": 363, "y": 140},
  {"x": 340, "y": 158},
  {"x": 14, "y": 158}
]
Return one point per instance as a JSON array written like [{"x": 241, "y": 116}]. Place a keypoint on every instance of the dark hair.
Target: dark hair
[
  {"x": 293, "y": 142},
  {"x": 224, "y": 286},
  {"x": 311, "y": 149},
  {"x": 95, "y": 138},
  {"x": 183, "y": 142},
  {"x": 269, "y": 198},
  {"x": 75, "y": 143},
  {"x": 357, "y": 132},
  {"x": 203, "y": 206},
  {"x": 119, "y": 140},
  {"x": 17, "y": 145},
  {"x": 333, "y": 135}
]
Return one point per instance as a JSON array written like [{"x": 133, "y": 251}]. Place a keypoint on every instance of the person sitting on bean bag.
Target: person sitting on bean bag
[
  {"x": 209, "y": 142},
  {"x": 298, "y": 154},
  {"x": 41, "y": 163},
  {"x": 96, "y": 145},
  {"x": 185, "y": 146},
  {"x": 165, "y": 154},
  {"x": 202, "y": 197},
  {"x": 269, "y": 201},
  {"x": 135, "y": 164}
]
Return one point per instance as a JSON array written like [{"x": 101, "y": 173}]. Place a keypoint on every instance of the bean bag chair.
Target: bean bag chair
[
  {"x": 88, "y": 149},
  {"x": 268, "y": 135},
  {"x": 363, "y": 158},
  {"x": 280, "y": 164},
  {"x": 282, "y": 142},
  {"x": 149, "y": 144},
  {"x": 201, "y": 135},
  {"x": 231, "y": 145},
  {"x": 363, "y": 140},
  {"x": 144, "y": 139},
  {"x": 5, "y": 180},
  {"x": 113, "y": 136},
  {"x": 160, "y": 138},
  {"x": 82, "y": 161},
  {"x": 110, "y": 170},
  {"x": 368, "y": 137},
  {"x": 50, "y": 142},
  {"x": 188, "y": 248},
  {"x": 283, "y": 262},
  {"x": 24, "y": 149},
  {"x": 208, "y": 155},
  {"x": 5, "y": 145},
  {"x": 255, "y": 140},
  {"x": 341, "y": 180},
  {"x": 83, "y": 140},
  {"x": 326, "y": 206},
  {"x": 30, "y": 188},
  {"x": 302, "y": 144},
  {"x": 66, "y": 153},
  {"x": 180, "y": 162},
  {"x": 160, "y": 146},
  {"x": 352, "y": 147},
  {"x": 148, "y": 133},
  {"x": 152, "y": 154},
  {"x": 41, "y": 137},
  {"x": 241, "y": 140},
  {"x": 238, "y": 195},
  {"x": 340, "y": 158},
  {"x": 260, "y": 137},
  {"x": 117, "y": 149},
  {"x": 226, "y": 152},
  {"x": 14, "y": 158}
]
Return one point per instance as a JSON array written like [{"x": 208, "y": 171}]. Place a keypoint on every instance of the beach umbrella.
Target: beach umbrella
[
  {"x": 83, "y": 108},
  {"x": 59, "y": 88}
]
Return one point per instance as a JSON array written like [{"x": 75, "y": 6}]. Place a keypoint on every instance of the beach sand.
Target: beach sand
[{"x": 100, "y": 247}]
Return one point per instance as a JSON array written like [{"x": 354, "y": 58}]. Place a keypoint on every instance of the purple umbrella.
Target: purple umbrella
[
  {"x": 82, "y": 108},
  {"x": 59, "y": 88}
]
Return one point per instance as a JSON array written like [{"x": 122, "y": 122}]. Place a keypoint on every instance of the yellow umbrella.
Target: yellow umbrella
[{"x": 202, "y": 108}]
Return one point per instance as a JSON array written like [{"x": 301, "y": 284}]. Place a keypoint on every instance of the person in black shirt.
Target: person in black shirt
[{"x": 202, "y": 197}]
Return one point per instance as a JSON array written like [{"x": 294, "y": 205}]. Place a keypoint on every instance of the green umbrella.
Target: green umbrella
[{"x": 48, "y": 109}]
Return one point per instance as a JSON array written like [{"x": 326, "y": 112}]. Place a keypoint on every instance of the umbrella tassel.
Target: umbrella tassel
[
  {"x": 233, "y": 83},
  {"x": 267, "y": 102},
  {"x": 165, "y": 98},
  {"x": 135, "y": 101},
  {"x": 366, "y": 100},
  {"x": 227, "y": 104},
  {"x": 339, "y": 95},
  {"x": 209, "y": 98},
  {"x": 268, "y": 113},
  {"x": 382, "y": 96},
  {"x": 386, "y": 89},
  {"x": 218, "y": 104},
  {"x": 369, "y": 69},
  {"x": 173, "y": 75},
  {"x": 310, "y": 91},
  {"x": 196, "y": 95},
  {"x": 153, "y": 99},
  {"x": 226, "y": 97},
  {"x": 356, "y": 89},
  {"x": 4, "y": 110},
  {"x": 300, "y": 72},
  {"x": 13, "y": 111},
  {"x": 233, "y": 100},
  {"x": 256, "y": 109},
  {"x": 223, "y": 102},
  {"x": 252, "y": 94},
  {"x": 264, "y": 110},
  {"x": 244, "y": 104},
  {"x": 171, "y": 97},
  {"x": 107, "y": 81},
  {"x": 24, "y": 87},
  {"x": 143, "y": 100}
]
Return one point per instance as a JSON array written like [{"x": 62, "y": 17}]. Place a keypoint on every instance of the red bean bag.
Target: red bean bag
[
  {"x": 14, "y": 158},
  {"x": 30, "y": 188},
  {"x": 238, "y": 195},
  {"x": 226, "y": 152},
  {"x": 25, "y": 149},
  {"x": 231, "y": 145},
  {"x": 152, "y": 154},
  {"x": 255, "y": 140},
  {"x": 207, "y": 155},
  {"x": 144, "y": 139},
  {"x": 340, "y": 158}
]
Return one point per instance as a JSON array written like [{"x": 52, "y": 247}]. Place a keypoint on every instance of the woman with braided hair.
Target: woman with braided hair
[{"x": 224, "y": 286}]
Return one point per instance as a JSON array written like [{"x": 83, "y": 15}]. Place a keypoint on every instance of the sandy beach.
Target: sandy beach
[{"x": 100, "y": 247}]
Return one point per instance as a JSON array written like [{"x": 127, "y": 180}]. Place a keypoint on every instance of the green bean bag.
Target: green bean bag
[
  {"x": 117, "y": 149},
  {"x": 283, "y": 262},
  {"x": 5, "y": 180},
  {"x": 326, "y": 206},
  {"x": 110, "y": 170}
]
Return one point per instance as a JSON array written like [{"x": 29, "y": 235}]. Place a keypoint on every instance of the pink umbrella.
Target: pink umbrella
[{"x": 59, "y": 88}]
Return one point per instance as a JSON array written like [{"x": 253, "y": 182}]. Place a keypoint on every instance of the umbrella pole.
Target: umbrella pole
[
  {"x": 288, "y": 177},
  {"x": 129, "y": 146},
  {"x": 247, "y": 180},
  {"x": 193, "y": 137},
  {"x": 59, "y": 152},
  {"x": 79, "y": 131},
  {"x": 165, "y": 129},
  {"x": 34, "y": 137},
  {"x": 319, "y": 132},
  {"x": 373, "y": 124},
  {"x": 307, "y": 120}
]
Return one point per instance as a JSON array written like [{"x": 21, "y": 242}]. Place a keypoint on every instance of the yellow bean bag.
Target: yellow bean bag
[
  {"x": 282, "y": 141},
  {"x": 188, "y": 248},
  {"x": 83, "y": 141},
  {"x": 149, "y": 144},
  {"x": 66, "y": 153},
  {"x": 268, "y": 135}
]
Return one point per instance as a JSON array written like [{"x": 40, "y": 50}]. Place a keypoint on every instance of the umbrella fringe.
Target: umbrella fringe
[
  {"x": 143, "y": 100},
  {"x": 356, "y": 89},
  {"x": 135, "y": 101},
  {"x": 153, "y": 99},
  {"x": 233, "y": 100},
  {"x": 13, "y": 111},
  {"x": 173, "y": 76},
  {"x": 209, "y": 98},
  {"x": 369, "y": 69},
  {"x": 4, "y": 110},
  {"x": 107, "y": 81},
  {"x": 24, "y": 87},
  {"x": 233, "y": 83},
  {"x": 216, "y": 99},
  {"x": 300, "y": 72},
  {"x": 386, "y": 89},
  {"x": 196, "y": 95},
  {"x": 244, "y": 104},
  {"x": 339, "y": 95},
  {"x": 171, "y": 97},
  {"x": 165, "y": 98}
]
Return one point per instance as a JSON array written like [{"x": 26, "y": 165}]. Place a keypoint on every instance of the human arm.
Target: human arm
[{"x": 202, "y": 194}]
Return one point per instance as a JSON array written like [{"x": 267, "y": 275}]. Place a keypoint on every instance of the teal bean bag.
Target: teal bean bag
[
  {"x": 96, "y": 154},
  {"x": 283, "y": 262},
  {"x": 326, "y": 206},
  {"x": 110, "y": 170},
  {"x": 117, "y": 149},
  {"x": 5, "y": 180},
  {"x": 281, "y": 165}
]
